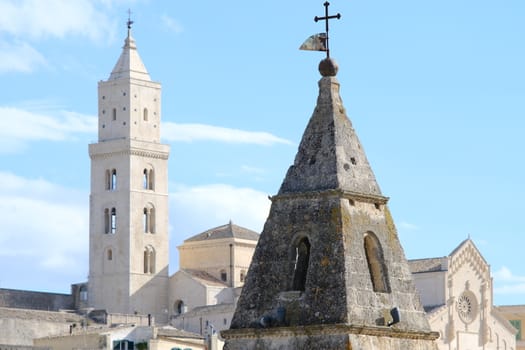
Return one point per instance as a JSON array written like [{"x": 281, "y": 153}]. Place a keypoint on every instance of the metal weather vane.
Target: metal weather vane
[
  {"x": 319, "y": 42},
  {"x": 129, "y": 22}
]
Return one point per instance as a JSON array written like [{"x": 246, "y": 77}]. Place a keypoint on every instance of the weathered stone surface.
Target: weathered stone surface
[
  {"x": 328, "y": 268},
  {"x": 23, "y": 299}
]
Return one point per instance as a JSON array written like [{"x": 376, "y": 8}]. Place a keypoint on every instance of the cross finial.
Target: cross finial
[
  {"x": 326, "y": 18},
  {"x": 129, "y": 22}
]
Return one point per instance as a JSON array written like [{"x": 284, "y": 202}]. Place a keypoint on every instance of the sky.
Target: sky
[{"x": 434, "y": 89}]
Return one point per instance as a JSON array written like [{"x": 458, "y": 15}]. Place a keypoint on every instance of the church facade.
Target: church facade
[{"x": 457, "y": 293}]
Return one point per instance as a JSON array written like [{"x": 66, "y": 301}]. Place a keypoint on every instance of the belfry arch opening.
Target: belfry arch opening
[
  {"x": 148, "y": 179},
  {"x": 301, "y": 259},
  {"x": 376, "y": 263}
]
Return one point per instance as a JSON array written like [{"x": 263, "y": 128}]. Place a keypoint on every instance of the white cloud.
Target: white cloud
[
  {"x": 408, "y": 226},
  {"x": 202, "y": 132},
  {"x": 505, "y": 282},
  {"x": 198, "y": 208},
  {"x": 35, "y": 19},
  {"x": 19, "y": 57},
  {"x": 23, "y": 22},
  {"x": 505, "y": 275},
  {"x": 44, "y": 222},
  {"x": 171, "y": 24},
  {"x": 19, "y": 126}
]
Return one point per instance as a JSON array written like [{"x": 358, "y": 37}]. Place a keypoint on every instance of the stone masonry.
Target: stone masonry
[{"x": 329, "y": 271}]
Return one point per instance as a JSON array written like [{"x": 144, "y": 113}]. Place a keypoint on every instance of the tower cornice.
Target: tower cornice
[{"x": 370, "y": 198}]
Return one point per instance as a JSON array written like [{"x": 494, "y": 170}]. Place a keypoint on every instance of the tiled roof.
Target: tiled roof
[
  {"x": 426, "y": 265},
  {"x": 205, "y": 278},
  {"x": 229, "y": 230}
]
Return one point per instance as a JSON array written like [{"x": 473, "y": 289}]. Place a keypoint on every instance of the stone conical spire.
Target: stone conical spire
[
  {"x": 328, "y": 271},
  {"x": 330, "y": 156},
  {"x": 129, "y": 64}
]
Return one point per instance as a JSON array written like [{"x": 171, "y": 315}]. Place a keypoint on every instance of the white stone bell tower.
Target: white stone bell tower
[{"x": 128, "y": 233}]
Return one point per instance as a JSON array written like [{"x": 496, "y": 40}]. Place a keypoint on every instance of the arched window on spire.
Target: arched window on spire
[
  {"x": 301, "y": 258},
  {"x": 376, "y": 263}
]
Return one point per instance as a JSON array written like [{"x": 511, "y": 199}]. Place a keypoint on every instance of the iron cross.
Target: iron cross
[
  {"x": 129, "y": 22},
  {"x": 326, "y": 18}
]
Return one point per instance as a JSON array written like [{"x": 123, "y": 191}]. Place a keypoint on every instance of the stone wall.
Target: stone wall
[
  {"x": 22, "y": 299},
  {"x": 19, "y": 327}
]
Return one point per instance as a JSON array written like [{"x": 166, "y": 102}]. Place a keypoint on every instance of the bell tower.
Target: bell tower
[{"x": 128, "y": 233}]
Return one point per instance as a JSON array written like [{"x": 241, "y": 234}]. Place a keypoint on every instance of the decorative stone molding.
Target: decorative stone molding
[
  {"x": 332, "y": 193},
  {"x": 334, "y": 329}
]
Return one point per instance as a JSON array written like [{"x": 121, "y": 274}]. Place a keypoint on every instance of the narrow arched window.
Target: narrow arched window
[
  {"x": 301, "y": 252},
  {"x": 145, "y": 221},
  {"x": 114, "y": 114},
  {"x": 242, "y": 276},
  {"x": 152, "y": 220},
  {"x": 224, "y": 276},
  {"x": 145, "y": 180},
  {"x": 145, "y": 114},
  {"x": 106, "y": 220},
  {"x": 113, "y": 179},
  {"x": 149, "y": 260},
  {"x": 179, "y": 307},
  {"x": 151, "y": 183},
  {"x": 110, "y": 254},
  {"x": 113, "y": 220},
  {"x": 376, "y": 263},
  {"x": 108, "y": 180}
]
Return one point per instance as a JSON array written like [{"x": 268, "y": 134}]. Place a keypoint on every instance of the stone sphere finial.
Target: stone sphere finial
[{"x": 328, "y": 67}]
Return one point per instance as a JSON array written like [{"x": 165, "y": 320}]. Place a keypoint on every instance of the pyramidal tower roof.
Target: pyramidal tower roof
[
  {"x": 330, "y": 156},
  {"x": 129, "y": 64},
  {"x": 329, "y": 271}
]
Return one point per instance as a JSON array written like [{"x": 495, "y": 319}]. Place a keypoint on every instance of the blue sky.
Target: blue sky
[{"x": 434, "y": 89}]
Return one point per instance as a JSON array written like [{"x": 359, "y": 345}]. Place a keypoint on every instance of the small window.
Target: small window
[
  {"x": 83, "y": 293},
  {"x": 148, "y": 220},
  {"x": 106, "y": 221},
  {"x": 179, "y": 307},
  {"x": 113, "y": 179},
  {"x": 145, "y": 115},
  {"x": 114, "y": 114},
  {"x": 110, "y": 254},
  {"x": 145, "y": 221},
  {"x": 123, "y": 345},
  {"x": 113, "y": 220},
  {"x": 243, "y": 276},
  {"x": 302, "y": 258},
  {"x": 376, "y": 263},
  {"x": 152, "y": 220},
  {"x": 149, "y": 260},
  {"x": 108, "y": 180},
  {"x": 148, "y": 179},
  {"x": 224, "y": 276}
]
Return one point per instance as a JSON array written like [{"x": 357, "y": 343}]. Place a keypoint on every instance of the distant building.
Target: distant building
[
  {"x": 457, "y": 294},
  {"x": 213, "y": 267},
  {"x": 515, "y": 314}
]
